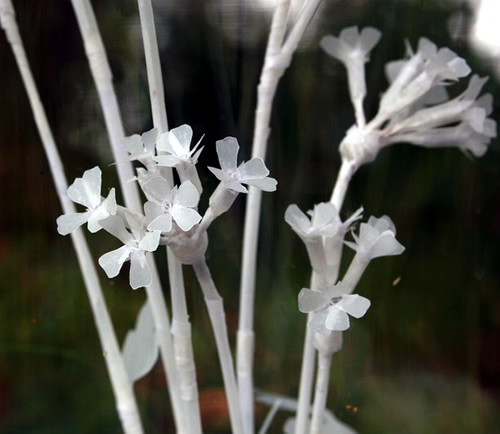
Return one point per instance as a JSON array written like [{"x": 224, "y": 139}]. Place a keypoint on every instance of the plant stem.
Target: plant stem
[
  {"x": 217, "y": 318},
  {"x": 103, "y": 80},
  {"x": 321, "y": 394},
  {"x": 122, "y": 388},
  {"x": 277, "y": 60},
  {"x": 347, "y": 170}
]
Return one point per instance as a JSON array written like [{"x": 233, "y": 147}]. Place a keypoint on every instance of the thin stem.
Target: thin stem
[
  {"x": 103, "y": 80},
  {"x": 321, "y": 394},
  {"x": 217, "y": 318},
  {"x": 347, "y": 170},
  {"x": 270, "y": 416},
  {"x": 122, "y": 388}
]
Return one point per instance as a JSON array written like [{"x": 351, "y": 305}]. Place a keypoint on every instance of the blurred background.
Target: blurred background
[{"x": 425, "y": 359}]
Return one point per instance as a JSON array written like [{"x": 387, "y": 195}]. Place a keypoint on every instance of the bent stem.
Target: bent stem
[
  {"x": 101, "y": 73},
  {"x": 277, "y": 59},
  {"x": 217, "y": 318},
  {"x": 121, "y": 385}
]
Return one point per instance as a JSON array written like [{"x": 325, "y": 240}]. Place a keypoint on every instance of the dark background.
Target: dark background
[{"x": 425, "y": 357}]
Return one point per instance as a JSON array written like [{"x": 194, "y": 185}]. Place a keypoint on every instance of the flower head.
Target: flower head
[
  {"x": 131, "y": 231},
  {"x": 177, "y": 143},
  {"x": 86, "y": 191},
  {"x": 252, "y": 172},
  {"x": 331, "y": 306},
  {"x": 376, "y": 238},
  {"x": 323, "y": 222},
  {"x": 141, "y": 147},
  {"x": 167, "y": 205}
]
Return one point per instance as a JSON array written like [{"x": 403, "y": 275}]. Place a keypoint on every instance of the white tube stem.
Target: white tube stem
[
  {"x": 321, "y": 394},
  {"x": 217, "y": 318},
  {"x": 347, "y": 170},
  {"x": 122, "y": 387}
]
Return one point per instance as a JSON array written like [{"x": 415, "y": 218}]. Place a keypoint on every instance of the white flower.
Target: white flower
[
  {"x": 330, "y": 307},
  {"x": 86, "y": 191},
  {"x": 324, "y": 221},
  {"x": 170, "y": 204},
  {"x": 137, "y": 241},
  {"x": 177, "y": 143},
  {"x": 376, "y": 238},
  {"x": 253, "y": 172},
  {"x": 141, "y": 147}
]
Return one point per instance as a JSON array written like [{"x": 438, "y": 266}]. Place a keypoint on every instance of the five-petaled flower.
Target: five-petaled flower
[
  {"x": 176, "y": 143},
  {"x": 141, "y": 147},
  {"x": 137, "y": 241},
  {"x": 330, "y": 306},
  {"x": 86, "y": 191}
]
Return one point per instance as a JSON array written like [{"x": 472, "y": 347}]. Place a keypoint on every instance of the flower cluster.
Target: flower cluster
[{"x": 170, "y": 214}]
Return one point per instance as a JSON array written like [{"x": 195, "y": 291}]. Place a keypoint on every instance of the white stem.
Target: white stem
[
  {"x": 217, "y": 318},
  {"x": 270, "y": 416},
  {"x": 122, "y": 388},
  {"x": 355, "y": 271},
  {"x": 103, "y": 80},
  {"x": 321, "y": 394},
  {"x": 347, "y": 170}
]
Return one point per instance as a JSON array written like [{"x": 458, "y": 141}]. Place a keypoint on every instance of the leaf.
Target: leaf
[{"x": 140, "y": 349}]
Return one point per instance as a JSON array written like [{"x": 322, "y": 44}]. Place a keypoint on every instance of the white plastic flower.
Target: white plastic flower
[
  {"x": 141, "y": 147},
  {"x": 376, "y": 238},
  {"x": 177, "y": 143},
  {"x": 136, "y": 242},
  {"x": 331, "y": 306},
  {"x": 86, "y": 191},
  {"x": 323, "y": 222},
  {"x": 253, "y": 172},
  {"x": 167, "y": 205}
]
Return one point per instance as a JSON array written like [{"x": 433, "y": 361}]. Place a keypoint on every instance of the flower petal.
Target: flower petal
[
  {"x": 116, "y": 227},
  {"x": 354, "y": 305},
  {"x": 297, "y": 220},
  {"x": 318, "y": 322},
  {"x": 157, "y": 188},
  {"x": 162, "y": 223},
  {"x": 187, "y": 195},
  {"x": 67, "y": 223},
  {"x": 336, "y": 319},
  {"x": 140, "y": 276},
  {"x": 149, "y": 140},
  {"x": 87, "y": 190},
  {"x": 253, "y": 169},
  {"x": 227, "y": 151},
  {"x": 150, "y": 241},
  {"x": 310, "y": 300},
  {"x": 220, "y": 174},
  {"x": 168, "y": 160},
  {"x": 133, "y": 144},
  {"x": 185, "y": 218},
  {"x": 386, "y": 245},
  {"x": 265, "y": 184},
  {"x": 180, "y": 140},
  {"x": 113, "y": 261},
  {"x": 98, "y": 214}
]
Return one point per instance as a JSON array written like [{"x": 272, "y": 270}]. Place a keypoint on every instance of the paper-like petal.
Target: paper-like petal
[
  {"x": 265, "y": 184},
  {"x": 133, "y": 144},
  {"x": 236, "y": 186},
  {"x": 113, "y": 261},
  {"x": 324, "y": 213},
  {"x": 354, "y": 305},
  {"x": 187, "y": 195},
  {"x": 149, "y": 140},
  {"x": 162, "y": 223},
  {"x": 110, "y": 202},
  {"x": 140, "y": 276},
  {"x": 253, "y": 169},
  {"x": 87, "y": 190},
  {"x": 318, "y": 322},
  {"x": 67, "y": 223},
  {"x": 349, "y": 36},
  {"x": 333, "y": 46},
  {"x": 116, "y": 227},
  {"x": 369, "y": 38},
  {"x": 150, "y": 241},
  {"x": 337, "y": 319},
  {"x": 297, "y": 220},
  {"x": 185, "y": 218},
  {"x": 310, "y": 300},
  {"x": 100, "y": 213},
  {"x": 141, "y": 349},
  {"x": 220, "y": 174},
  {"x": 387, "y": 245},
  {"x": 168, "y": 160},
  {"x": 180, "y": 140},
  {"x": 227, "y": 151},
  {"x": 152, "y": 210},
  {"x": 157, "y": 188}
]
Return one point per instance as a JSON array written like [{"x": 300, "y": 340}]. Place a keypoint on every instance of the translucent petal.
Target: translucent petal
[
  {"x": 227, "y": 151},
  {"x": 236, "y": 186},
  {"x": 297, "y": 220},
  {"x": 350, "y": 36},
  {"x": 140, "y": 276},
  {"x": 100, "y": 213},
  {"x": 180, "y": 139},
  {"x": 324, "y": 213},
  {"x": 133, "y": 144},
  {"x": 110, "y": 202},
  {"x": 152, "y": 210},
  {"x": 333, "y": 46},
  {"x": 253, "y": 169},
  {"x": 382, "y": 224},
  {"x": 67, "y": 223},
  {"x": 369, "y": 38},
  {"x": 87, "y": 190},
  {"x": 265, "y": 184},
  {"x": 336, "y": 319},
  {"x": 486, "y": 102},
  {"x": 310, "y": 300},
  {"x": 354, "y": 305},
  {"x": 116, "y": 227},
  {"x": 162, "y": 144},
  {"x": 318, "y": 322},
  {"x": 149, "y": 139},
  {"x": 157, "y": 188},
  {"x": 162, "y": 223},
  {"x": 135, "y": 222},
  {"x": 392, "y": 69},
  {"x": 220, "y": 174},
  {"x": 113, "y": 261},
  {"x": 150, "y": 241},
  {"x": 185, "y": 218},
  {"x": 140, "y": 349},
  {"x": 386, "y": 245},
  {"x": 338, "y": 290},
  {"x": 187, "y": 195},
  {"x": 167, "y": 160}
]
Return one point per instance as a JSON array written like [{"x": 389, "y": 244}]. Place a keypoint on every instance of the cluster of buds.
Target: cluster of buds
[{"x": 170, "y": 214}]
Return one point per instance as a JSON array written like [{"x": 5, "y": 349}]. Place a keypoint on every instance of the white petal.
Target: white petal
[
  {"x": 87, "y": 189},
  {"x": 168, "y": 160},
  {"x": 67, "y": 223},
  {"x": 227, "y": 151},
  {"x": 116, "y": 227},
  {"x": 337, "y": 319},
  {"x": 369, "y": 38},
  {"x": 110, "y": 202},
  {"x": 186, "y": 218},
  {"x": 150, "y": 241},
  {"x": 333, "y": 47},
  {"x": 323, "y": 214},
  {"x": 386, "y": 245},
  {"x": 149, "y": 139},
  {"x": 265, "y": 184},
  {"x": 318, "y": 322},
  {"x": 100, "y": 213},
  {"x": 310, "y": 300},
  {"x": 133, "y": 144},
  {"x": 350, "y": 36},
  {"x": 220, "y": 174},
  {"x": 140, "y": 276},
  {"x": 162, "y": 223},
  {"x": 152, "y": 210},
  {"x": 354, "y": 305},
  {"x": 297, "y": 220},
  {"x": 187, "y": 195},
  {"x": 113, "y": 261},
  {"x": 236, "y": 186},
  {"x": 157, "y": 188},
  {"x": 253, "y": 169},
  {"x": 180, "y": 139}
]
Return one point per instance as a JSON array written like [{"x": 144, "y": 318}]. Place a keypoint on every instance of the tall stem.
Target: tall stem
[
  {"x": 215, "y": 308},
  {"x": 321, "y": 394},
  {"x": 122, "y": 387},
  {"x": 101, "y": 73}
]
